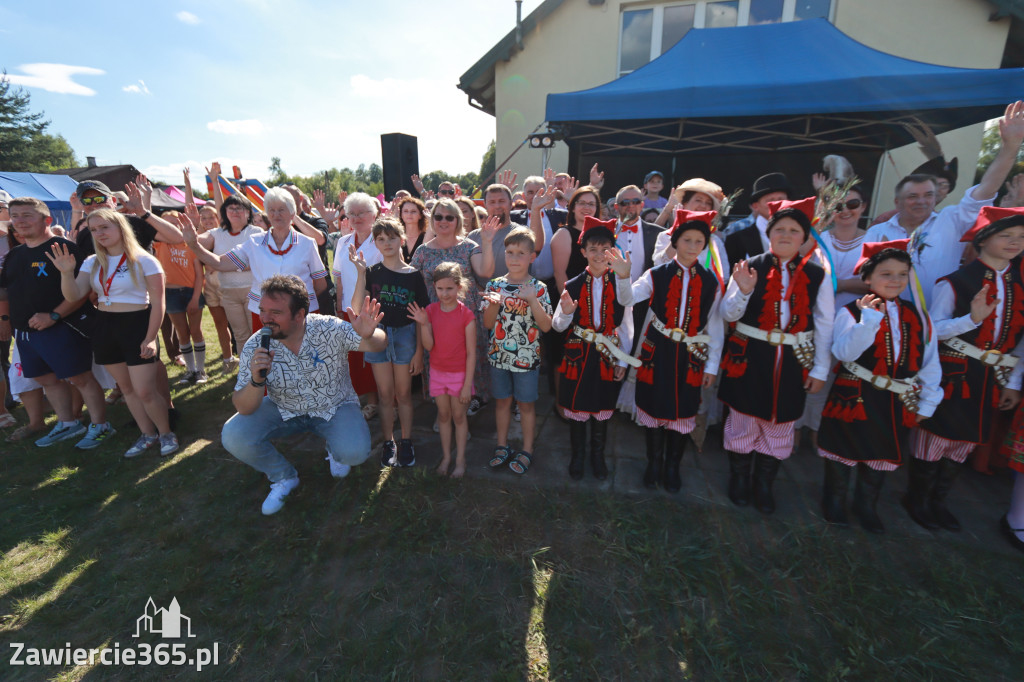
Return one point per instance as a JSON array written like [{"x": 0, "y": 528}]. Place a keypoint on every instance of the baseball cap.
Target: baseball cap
[{"x": 100, "y": 187}]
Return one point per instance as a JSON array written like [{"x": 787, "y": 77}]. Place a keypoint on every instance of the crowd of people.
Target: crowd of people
[{"x": 895, "y": 345}]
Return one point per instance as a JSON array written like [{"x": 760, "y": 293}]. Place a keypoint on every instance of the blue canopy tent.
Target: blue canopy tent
[
  {"x": 802, "y": 88},
  {"x": 54, "y": 190}
]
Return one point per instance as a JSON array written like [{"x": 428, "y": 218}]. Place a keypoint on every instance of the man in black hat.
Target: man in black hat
[
  {"x": 92, "y": 195},
  {"x": 748, "y": 237}
]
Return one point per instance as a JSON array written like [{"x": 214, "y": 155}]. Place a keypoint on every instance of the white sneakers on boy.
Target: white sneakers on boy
[
  {"x": 278, "y": 493},
  {"x": 338, "y": 470}
]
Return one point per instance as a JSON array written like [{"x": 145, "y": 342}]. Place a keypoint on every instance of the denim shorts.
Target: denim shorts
[
  {"x": 400, "y": 349},
  {"x": 520, "y": 385},
  {"x": 177, "y": 299}
]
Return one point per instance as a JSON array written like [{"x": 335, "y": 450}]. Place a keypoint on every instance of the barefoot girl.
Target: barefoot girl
[{"x": 448, "y": 332}]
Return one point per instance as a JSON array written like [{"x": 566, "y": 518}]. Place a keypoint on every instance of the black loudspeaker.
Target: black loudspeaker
[{"x": 401, "y": 162}]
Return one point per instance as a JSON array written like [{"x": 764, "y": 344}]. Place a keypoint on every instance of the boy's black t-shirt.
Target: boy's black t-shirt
[
  {"x": 145, "y": 234},
  {"x": 32, "y": 281},
  {"x": 395, "y": 291}
]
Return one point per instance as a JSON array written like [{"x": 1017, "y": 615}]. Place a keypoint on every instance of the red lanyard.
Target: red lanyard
[{"x": 110, "y": 280}]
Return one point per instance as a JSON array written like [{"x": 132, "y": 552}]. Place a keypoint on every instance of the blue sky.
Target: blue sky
[{"x": 165, "y": 85}]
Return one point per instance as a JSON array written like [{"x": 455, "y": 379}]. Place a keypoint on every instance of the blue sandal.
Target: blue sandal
[
  {"x": 520, "y": 464},
  {"x": 502, "y": 453}
]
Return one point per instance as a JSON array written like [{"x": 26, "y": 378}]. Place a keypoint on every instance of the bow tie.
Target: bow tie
[{"x": 628, "y": 228}]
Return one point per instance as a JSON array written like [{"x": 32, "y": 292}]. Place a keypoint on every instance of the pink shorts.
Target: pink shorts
[{"x": 446, "y": 383}]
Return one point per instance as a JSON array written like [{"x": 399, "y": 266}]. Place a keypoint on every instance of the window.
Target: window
[{"x": 650, "y": 31}]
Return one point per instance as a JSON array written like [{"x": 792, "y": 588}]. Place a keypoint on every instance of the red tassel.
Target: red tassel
[
  {"x": 947, "y": 391},
  {"x": 645, "y": 374},
  {"x": 607, "y": 372},
  {"x": 858, "y": 413},
  {"x": 693, "y": 376},
  {"x": 965, "y": 390},
  {"x": 909, "y": 418}
]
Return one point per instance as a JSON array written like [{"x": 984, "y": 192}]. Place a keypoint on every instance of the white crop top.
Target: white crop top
[{"x": 122, "y": 288}]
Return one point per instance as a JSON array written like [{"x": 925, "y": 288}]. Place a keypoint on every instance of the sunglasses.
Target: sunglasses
[
  {"x": 446, "y": 192},
  {"x": 438, "y": 218},
  {"x": 89, "y": 201},
  {"x": 631, "y": 202},
  {"x": 852, "y": 204}
]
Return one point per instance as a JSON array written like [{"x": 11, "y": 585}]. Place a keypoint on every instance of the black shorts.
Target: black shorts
[{"x": 118, "y": 337}]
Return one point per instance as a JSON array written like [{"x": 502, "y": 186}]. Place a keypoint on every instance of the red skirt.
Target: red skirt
[{"x": 360, "y": 371}]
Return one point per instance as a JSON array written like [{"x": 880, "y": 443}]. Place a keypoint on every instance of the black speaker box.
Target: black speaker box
[{"x": 401, "y": 162}]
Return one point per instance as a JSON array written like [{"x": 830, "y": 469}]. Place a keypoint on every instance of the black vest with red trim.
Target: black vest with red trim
[
  {"x": 970, "y": 389},
  {"x": 751, "y": 383},
  {"x": 669, "y": 377},
  {"x": 863, "y": 423},
  {"x": 586, "y": 377}
]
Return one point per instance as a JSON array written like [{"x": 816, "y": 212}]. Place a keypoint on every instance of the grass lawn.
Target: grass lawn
[{"x": 401, "y": 575}]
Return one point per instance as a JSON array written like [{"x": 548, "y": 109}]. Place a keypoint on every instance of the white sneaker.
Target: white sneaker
[
  {"x": 278, "y": 492},
  {"x": 338, "y": 470}
]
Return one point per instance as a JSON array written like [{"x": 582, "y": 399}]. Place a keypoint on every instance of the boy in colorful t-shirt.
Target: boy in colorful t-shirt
[{"x": 518, "y": 310}]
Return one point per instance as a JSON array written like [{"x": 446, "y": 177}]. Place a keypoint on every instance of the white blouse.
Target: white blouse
[
  {"x": 299, "y": 258},
  {"x": 123, "y": 289}
]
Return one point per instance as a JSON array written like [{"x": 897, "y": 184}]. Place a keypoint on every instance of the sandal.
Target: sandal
[
  {"x": 520, "y": 464},
  {"x": 114, "y": 397},
  {"x": 369, "y": 411},
  {"x": 502, "y": 453},
  {"x": 7, "y": 419},
  {"x": 22, "y": 432}
]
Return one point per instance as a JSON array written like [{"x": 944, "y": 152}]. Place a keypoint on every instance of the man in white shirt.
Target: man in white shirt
[
  {"x": 300, "y": 385},
  {"x": 935, "y": 245}
]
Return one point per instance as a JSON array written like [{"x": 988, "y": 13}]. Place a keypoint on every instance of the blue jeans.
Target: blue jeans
[{"x": 247, "y": 437}]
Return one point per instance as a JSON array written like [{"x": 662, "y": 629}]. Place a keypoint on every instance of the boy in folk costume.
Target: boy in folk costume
[
  {"x": 887, "y": 382},
  {"x": 593, "y": 361},
  {"x": 979, "y": 319},
  {"x": 681, "y": 349},
  {"x": 782, "y": 307}
]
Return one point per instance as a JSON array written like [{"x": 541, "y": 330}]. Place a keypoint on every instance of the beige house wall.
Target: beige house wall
[{"x": 576, "y": 48}]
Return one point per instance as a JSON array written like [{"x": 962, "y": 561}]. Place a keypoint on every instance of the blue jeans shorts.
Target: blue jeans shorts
[
  {"x": 520, "y": 385},
  {"x": 177, "y": 299},
  {"x": 400, "y": 349}
]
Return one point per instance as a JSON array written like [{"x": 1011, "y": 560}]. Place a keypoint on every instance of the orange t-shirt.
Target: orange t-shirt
[{"x": 178, "y": 262}]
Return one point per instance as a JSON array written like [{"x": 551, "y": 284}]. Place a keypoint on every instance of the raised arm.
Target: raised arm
[
  {"x": 1011, "y": 135},
  {"x": 219, "y": 263},
  {"x": 71, "y": 287},
  {"x": 483, "y": 262}
]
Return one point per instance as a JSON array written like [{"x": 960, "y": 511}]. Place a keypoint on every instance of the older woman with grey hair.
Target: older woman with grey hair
[{"x": 281, "y": 250}]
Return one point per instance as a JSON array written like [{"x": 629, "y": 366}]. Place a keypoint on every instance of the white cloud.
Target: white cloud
[
  {"x": 54, "y": 78},
  {"x": 139, "y": 89},
  {"x": 187, "y": 18},
  {"x": 249, "y": 126}
]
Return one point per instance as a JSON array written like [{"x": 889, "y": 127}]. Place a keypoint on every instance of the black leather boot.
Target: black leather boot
[
  {"x": 655, "y": 456},
  {"x": 675, "y": 443},
  {"x": 865, "y": 498},
  {"x": 598, "y": 437},
  {"x": 833, "y": 502},
  {"x": 944, "y": 479},
  {"x": 917, "y": 500},
  {"x": 765, "y": 469},
  {"x": 578, "y": 441},
  {"x": 739, "y": 478}
]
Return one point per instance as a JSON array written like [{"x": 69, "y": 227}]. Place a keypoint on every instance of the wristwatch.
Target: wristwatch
[
  {"x": 145, "y": 216},
  {"x": 4, "y": 318},
  {"x": 55, "y": 317}
]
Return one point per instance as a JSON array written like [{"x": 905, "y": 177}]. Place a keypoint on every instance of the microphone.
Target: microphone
[{"x": 265, "y": 345}]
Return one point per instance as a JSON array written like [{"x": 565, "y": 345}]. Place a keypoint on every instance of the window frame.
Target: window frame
[{"x": 699, "y": 17}]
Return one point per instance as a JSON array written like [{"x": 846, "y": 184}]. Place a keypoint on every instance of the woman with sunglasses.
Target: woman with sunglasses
[
  {"x": 843, "y": 241},
  {"x": 451, "y": 245}
]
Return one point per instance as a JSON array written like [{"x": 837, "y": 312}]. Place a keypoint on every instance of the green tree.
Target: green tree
[
  {"x": 488, "y": 162},
  {"x": 25, "y": 146}
]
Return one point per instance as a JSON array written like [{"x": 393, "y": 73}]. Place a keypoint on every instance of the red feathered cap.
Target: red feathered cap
[
  {"x": 992, "y": 220},
  {"x": 805, "y": 206},
  {"x": 871, "y": 249},
  {"x": 590, "y": 222}
]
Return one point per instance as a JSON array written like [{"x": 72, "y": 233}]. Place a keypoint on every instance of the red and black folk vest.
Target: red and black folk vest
[{"x": 751, "y": 382}]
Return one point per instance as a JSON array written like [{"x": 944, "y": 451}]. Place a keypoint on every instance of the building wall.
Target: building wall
[{"x": 576, "y": 48}]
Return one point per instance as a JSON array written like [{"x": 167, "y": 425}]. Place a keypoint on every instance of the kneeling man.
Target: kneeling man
[{"x": 306, "y": 380}]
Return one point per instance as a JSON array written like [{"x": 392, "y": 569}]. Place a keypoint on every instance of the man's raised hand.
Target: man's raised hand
[{"x": 365, "y": 323}]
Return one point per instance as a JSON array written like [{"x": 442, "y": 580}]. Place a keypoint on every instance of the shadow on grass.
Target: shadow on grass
[{"x": 405, "y": 575}]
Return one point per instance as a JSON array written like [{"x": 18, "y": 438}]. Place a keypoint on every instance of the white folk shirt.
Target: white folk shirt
[
  {"x": 643, "y": 289},
  {"x": 762, "y": 228},
  {"x": 935, "y": 245},
  {"x": 562, "y": 320},
  {"x": 301, "y": 260},
  {"x": 315, "y": 382},
  {"x": 850, "y": 339},
  {"x": 345, "y": 272},
  {"x": 734, "y": 305},
  {"x": 633, "y": 244},
  {"x": 947, "y": 326}
]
